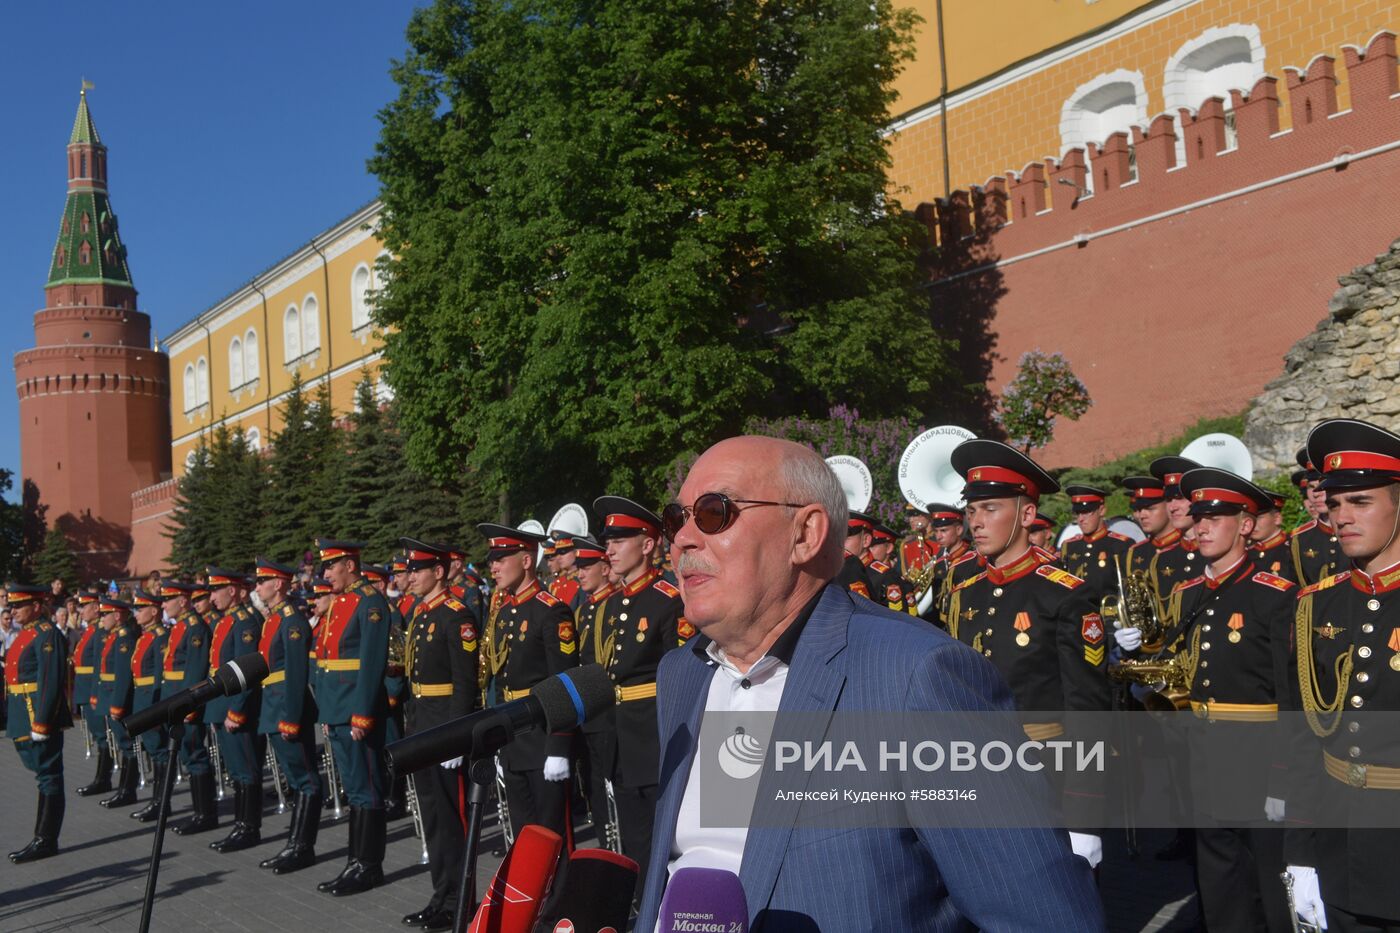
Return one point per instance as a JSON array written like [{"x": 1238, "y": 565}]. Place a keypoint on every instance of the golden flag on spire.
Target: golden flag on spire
[{"x": 87, "y": 86}]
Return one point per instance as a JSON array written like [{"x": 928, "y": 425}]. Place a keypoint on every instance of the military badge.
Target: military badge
[
  {"x": 893, "y": 594},
  {"x": 294, "y": 634},
  {"x": 1329, "y": 631},
  {"x": 684, "y": 629},
  {"x": 1092, "y": 628},
  {"x": 375, "y": 615}
]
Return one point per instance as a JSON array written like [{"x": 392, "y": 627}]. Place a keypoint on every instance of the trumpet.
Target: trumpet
[
  {"x": 612, "y": 832},
  {"x": 1299, "y": 926},
  {"x": 502, "y": 807},
  {"x": 415, "y": 810},
  {"x": 216, "y": 761},
  {"x": 87, "y": 736},
  {"x": 332, "y": 777},
  {"x": 276, "y": 770}
]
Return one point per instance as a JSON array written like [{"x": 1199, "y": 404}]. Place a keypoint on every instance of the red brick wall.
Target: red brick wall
[{"x": 1188, "y": 315}]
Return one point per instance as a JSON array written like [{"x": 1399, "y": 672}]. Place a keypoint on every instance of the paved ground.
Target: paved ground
[{"x": 97, "y": 881}]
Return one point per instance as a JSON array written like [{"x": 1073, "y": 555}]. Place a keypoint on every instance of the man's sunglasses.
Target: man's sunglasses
[{"x": 713, "y": 512}]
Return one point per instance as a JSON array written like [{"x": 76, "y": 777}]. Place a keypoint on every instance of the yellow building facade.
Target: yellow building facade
[
  {"x": 309, "y": 314},
  {"x": 1030, "y": 79}
]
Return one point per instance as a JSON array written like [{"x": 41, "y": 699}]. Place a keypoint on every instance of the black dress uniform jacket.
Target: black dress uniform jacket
[
  {"x": 1274, "y": 555},
  {"x": 1316, "y": 553},
  {"x": 853, "y": 577},
  {"x": 595, "y": 646},
  {"x": 1092, "y": 559},
  {"x": 1039, "y": 626},
  {"x": 537, "y": 632},
  {"x": 647, "y": 620},
  {"x": 441, "y": 651}
]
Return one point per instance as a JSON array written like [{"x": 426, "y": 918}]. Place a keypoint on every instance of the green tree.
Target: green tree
[
  {"x": 1044, "y": 390},
  {"x": 57, "y": 561},
  {"x": 11, "y": 530},
  {"x": 620, "y": 226},
  {"x": 303, "y": 471},
  {"x": 237, "y": 480},
  {"x": 191, "y": 528}
]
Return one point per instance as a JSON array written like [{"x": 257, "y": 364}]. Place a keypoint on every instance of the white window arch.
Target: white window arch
[
  {"x": 235, "y": 363},
  {"x": 191, "y": 388},
  {"x": 310, "y": 324},
  {"x": 201, "y": 378},
  {"x": 1219, "y": 60},
  {"x": 361, "y": 281},
  {"x": 189, "y": 457},
  {"x": 254, "y": 438},
  {"x": 291, "y": 334},
  {"x": 250, "y": 355},
  {"x": 1110, "y": 103}
]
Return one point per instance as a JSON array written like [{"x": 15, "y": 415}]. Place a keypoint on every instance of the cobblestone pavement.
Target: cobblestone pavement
[{"x": 97, "y": 880}]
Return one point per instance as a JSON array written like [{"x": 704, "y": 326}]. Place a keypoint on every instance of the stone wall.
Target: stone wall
[{"x": 1347, "y": 367}]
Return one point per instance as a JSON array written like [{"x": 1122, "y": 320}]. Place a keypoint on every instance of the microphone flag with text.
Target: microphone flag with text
[
  {"x": 704, "y": 899},
  {"x": 521, "y": 883}
]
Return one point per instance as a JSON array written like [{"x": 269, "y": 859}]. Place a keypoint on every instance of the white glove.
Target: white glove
[
  {"x": 36, "y": 737},
  {"x": 1088, "y": 847},
  {"x": 556, "y": 768},
  {"x": 1307, "y": 895},
  {"x": 1129, "y": 639},
  {"x": 926, "y": 601},
  {"x": 1273, "y": 809},
  {"x": 453, "y": 763}
]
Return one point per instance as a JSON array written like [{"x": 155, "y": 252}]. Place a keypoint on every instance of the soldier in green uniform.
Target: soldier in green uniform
[
  {"x": 441, "y": 656},
  {"x": 241, "y": 745},
  {"x": 114, "y": 689},
  {"x": 287, "y": 716},
  {"x": 87, "y": 653},
  {"x": 146, "y": 665},
  {"x": 185, "y": 663},
  {"x": 36, "y": 688},
  {"x": 1035, "y": 621},
  {"x": 352, "y": 653},
  {"x": 646, "y": 620},
  {"x": 1347, "y": 680},
  {"x": 537, "y": 632}
]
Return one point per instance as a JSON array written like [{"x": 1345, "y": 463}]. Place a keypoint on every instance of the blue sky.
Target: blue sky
[{"x": 234, "y": 131}]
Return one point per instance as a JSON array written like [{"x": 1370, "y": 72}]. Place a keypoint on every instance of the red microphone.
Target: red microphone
[
  {"x": 520, "y": 885},
  {"x": 594, "y": 894}
]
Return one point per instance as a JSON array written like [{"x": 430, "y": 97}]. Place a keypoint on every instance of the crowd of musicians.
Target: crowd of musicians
[{"x": 1254, "y": 619}]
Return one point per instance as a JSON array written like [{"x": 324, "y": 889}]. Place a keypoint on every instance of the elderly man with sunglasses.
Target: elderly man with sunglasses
[{"x": 757, "y": 536}]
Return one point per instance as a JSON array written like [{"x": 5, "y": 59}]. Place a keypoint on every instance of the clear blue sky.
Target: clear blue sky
[{"x": 234, "y": 132}]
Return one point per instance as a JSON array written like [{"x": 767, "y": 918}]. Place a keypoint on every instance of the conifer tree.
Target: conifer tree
[{"x": 57, "y": 561}]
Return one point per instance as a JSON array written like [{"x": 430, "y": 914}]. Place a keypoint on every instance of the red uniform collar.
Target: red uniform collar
[
  {"x": 641, "y": 583},
  {"x": 1096, "y": 536},
  {"x": 521, "y": 599},
  {"x": 1383, "y": 581},
  {"x": 1172, "y": 536},
  {"x": 1277, "y": 539},
  {"x": 1238, "y": 568},
  {"x": 1020, "y": 567}
]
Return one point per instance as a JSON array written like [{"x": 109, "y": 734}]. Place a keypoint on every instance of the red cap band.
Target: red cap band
[
  {"x": 1360, "y": 460},
  {"x": 618, "y": 520},
  {"x": 1226, "y": 495},
  {"x": 1081, "y": 500},
  {"x": 1149, "y": 492},
  {"x": 946, "y": 516},
  {"x": 994, "y": 474}
]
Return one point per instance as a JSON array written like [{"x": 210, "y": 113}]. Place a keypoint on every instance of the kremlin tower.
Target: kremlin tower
[{"x": 94, "y": 397}]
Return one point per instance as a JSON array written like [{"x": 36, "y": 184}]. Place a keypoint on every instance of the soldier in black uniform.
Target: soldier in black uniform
[
  {"x": 537, "y": 637},
  {"x": 1043, "y": 534},
  {"x": 956, "y": 560},
  {"x": 1098, "y": 555},
  {"x": 441, "y": 654},
  {"x": 1268, "y": 547},
  {"x": 853, "y": 575},
  {"x": 1232, "y": 637},
  {"x": 1034, "y": 620},
  {"x": 645, "y": 619},
  {"x": 1316, "y": 551},
  {"x": 596, "y": 641},
  {"x": 884, "y": 575},
  {"x": 918, "y": 549},
  {"x": 1149, "y": 505},
  {"x": 1347, "y": 630},
  {"x": 1178, "y": 561}
]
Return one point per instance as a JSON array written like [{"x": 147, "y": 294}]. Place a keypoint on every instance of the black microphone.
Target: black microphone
[
  {"x": 242, "y": 673},
  {"x": 556, "y": 704}
]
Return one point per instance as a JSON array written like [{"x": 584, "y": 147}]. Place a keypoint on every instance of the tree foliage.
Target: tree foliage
[
  {"x": 11, "y": 530},
  {"x": 1045, "y": 389},
  {"x": 57, "y": 561},
  {"x": 304, "y": 470},
  {"x": 618, "y": 227}
]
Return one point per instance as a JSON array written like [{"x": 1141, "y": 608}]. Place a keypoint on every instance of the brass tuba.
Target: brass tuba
[
  {"x": 1168, "y": 676},
  {"x": 1134, "y": 605}
]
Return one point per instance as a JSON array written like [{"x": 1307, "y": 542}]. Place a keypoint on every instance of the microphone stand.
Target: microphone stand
[
  {"x": 177, "y": 732},
  {"x": 489, "y": 737}
]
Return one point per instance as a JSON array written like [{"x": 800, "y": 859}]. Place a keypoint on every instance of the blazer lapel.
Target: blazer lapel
[{"x": 813, "y": 685}]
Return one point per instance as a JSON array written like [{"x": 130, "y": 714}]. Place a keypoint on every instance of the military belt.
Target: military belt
[
  {"x": 1235, "y": 712},
  {"x": 108, "y": 678},
  {"x": 174, "y": 675},
  {"x": 1356, "y": 774},
  {"x": 83, "y": 670},
  {"x": 435, "y": 690},
  {"x": 515, "y": 694},
  {"x": 276, "y": 677},
  {"x": 638, "y": 692},
  {"x": 339, "y": 664},
  {"x": 23, "y": 688},
  {"x": 145, "y": 681},
  {"x": 1040, "y": 731}
]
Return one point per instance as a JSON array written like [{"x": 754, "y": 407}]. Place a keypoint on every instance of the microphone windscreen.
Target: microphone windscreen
[
  {"x": 518, "y": 890},
  {"x": 574, "y": 697},
  {"x": 594, "y": 895},
  {"x": 704, "y": 898},
  {"x": 242, "y": 673}
]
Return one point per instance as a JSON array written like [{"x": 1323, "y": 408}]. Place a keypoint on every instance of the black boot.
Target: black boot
[
  {"x": 352, "y": 864},
  {"x": 152, "y": 809},
  {"x": 206, "y": 816},
  {"x": 397, "y": 807},
  {"x": 291, "y": 836},
  {"x": 301, "y": 845},
  {"x": 127, "y": 777},
  {"x": 366, "y": 868},
  {"x": 103, "y": 782},
  {"x": 246, "y": 832},
  {"x": 46, "y": 826}
]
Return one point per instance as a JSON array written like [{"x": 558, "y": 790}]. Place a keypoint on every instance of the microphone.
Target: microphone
[
  {"x": 594, "y": 894},
  {"x": 240, "y": 674},
  {"x": 704, "y": 899},
  {"x": 555, "y": 704},
  {"x": 521, "y": 883}
]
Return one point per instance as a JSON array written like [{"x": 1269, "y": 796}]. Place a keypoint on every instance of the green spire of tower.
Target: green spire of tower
[{"x": 89, "y": 248}]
